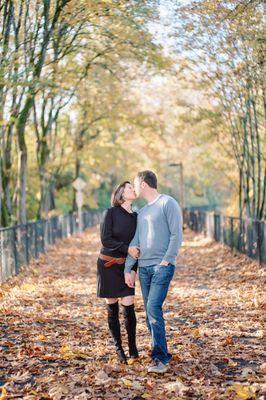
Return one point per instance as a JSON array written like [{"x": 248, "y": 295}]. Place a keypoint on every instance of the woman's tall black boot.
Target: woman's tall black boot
[
  {"x": 130, "y": 323},
  {"x": 114, "y": 327}
]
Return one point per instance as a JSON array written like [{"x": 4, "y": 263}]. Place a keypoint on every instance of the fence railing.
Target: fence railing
[
  {"x": 20, "y": 243},
  {"x": 247, "y": 236}
]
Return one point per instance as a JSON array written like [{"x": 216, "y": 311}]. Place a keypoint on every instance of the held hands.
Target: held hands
[
  {"x": 133, "y": 251},
  {"x": 130, "y": 278}
]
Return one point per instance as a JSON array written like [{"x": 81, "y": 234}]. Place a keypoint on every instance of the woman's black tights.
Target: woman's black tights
[{"x": 114, "y": 327}]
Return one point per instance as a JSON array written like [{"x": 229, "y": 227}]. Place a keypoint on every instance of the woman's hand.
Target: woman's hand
[
  {"x": 133, "y": 251},
  {"x": 133, "y": 276},
  {"x": 130, "y": 278}
]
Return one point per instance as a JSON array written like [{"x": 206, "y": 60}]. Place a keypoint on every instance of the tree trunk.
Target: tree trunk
[{"x": 22, "y": 161}]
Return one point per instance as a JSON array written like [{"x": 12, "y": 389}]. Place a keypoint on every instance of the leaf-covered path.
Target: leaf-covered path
[{"x": 55, "y": 344}]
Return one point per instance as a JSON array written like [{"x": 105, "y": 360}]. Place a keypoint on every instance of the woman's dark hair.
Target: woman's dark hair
[
  {"x": 149, "y": 177},
  {"x": 117, "y": 195}
]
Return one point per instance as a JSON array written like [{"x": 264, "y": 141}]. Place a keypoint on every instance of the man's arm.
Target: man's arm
[
  {"x": 130, "y": 261},
  {"x": 174, "y": 218}
]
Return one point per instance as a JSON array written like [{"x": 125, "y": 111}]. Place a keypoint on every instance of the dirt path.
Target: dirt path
[{"x": 55, "y": 344}]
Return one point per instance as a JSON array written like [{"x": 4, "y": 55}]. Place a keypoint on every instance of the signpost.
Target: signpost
[{"x": 79, "y": 184}]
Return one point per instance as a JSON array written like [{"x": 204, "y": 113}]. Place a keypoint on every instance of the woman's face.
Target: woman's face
[{"x": 129, "y": 193}]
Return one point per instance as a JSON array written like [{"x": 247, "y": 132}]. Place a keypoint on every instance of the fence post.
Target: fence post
[
  {"x": 35, "y": 241},
  {"x": 42, "y": 237},
  {"x": 14, "y": 245},
  {"x": 27, "y": 245},
  {"x": 231, "y": 232},
  {"x": 246, "y": 235},
  {"x": 263, "y": 242},
  {"x": 216, "y": 227},
  {"x": 1, "y": 256},
  {"x": 249, "y": 239}
]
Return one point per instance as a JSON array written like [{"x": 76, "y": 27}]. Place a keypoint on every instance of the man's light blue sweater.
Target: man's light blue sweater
[{"x": 158, "y": 233}]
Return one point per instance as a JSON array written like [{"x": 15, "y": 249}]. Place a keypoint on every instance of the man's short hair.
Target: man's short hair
[{"x": 148, "y": 177}]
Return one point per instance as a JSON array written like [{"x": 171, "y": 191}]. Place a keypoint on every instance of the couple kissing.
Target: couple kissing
[{"x": 144, "y": 243}]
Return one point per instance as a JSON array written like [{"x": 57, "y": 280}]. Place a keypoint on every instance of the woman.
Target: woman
[{"x": 117, "y": 231}]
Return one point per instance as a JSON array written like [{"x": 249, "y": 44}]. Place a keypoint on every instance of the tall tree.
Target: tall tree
[{"x": 225, "y": 51}]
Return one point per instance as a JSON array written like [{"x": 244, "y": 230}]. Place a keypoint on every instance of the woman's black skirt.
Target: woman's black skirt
[{"x": 111, "y": 281}]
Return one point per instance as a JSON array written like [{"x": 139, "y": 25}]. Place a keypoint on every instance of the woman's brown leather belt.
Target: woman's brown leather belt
[{"x": 111, "y": 260}]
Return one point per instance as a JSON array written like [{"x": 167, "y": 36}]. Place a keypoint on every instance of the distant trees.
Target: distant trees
[
  {"x": 226, "y": 51},
  {"x": 73, "y": 101},
  {"x": 48, "y": 49}
]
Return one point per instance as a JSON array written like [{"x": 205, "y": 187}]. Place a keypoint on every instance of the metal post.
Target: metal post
[
  {"x": 14, "y": 243},
  {"x": 182, "y": 185}
]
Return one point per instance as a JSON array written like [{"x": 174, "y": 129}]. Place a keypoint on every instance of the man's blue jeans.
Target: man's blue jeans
[{"x": 154, "y": 282}]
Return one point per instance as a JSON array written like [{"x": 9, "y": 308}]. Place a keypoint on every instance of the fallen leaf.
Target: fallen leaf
[
  {"x": 146, "y": 396},
  {"x": 215, "y": 371},
  {"x": 21, "y": 378},
  {"x": 262, "y": 368},
  {"x": 244, "y": 392},
  {"x": 127, "y": 382},
  {"x": 3, "y": 394},
  {"x": 137, "y": 385},
  {"x": 178, "y": 387},
  {"x": 247, "y": 372},
  {"x": 196, "y": 332},
  {"x": 64, "y": 349},
  {"x": 58, "y": 391},
  {"x": 102, "y": 378},
  {"x": 232, "y": 363},
  {"x": 229, "y": 340}
]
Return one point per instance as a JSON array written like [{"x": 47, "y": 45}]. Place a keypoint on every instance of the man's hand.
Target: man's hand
[
  {"x": 133, "y": 251},
  {"x": 163, "y": 262},
  {"x": 130, "y": 278}
]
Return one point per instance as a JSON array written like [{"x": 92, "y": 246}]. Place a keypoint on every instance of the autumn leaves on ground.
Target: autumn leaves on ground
[{"x": 55, "y": 343}]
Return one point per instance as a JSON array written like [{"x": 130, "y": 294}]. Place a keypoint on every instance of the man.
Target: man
[{"x": 156, "y": 243}]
